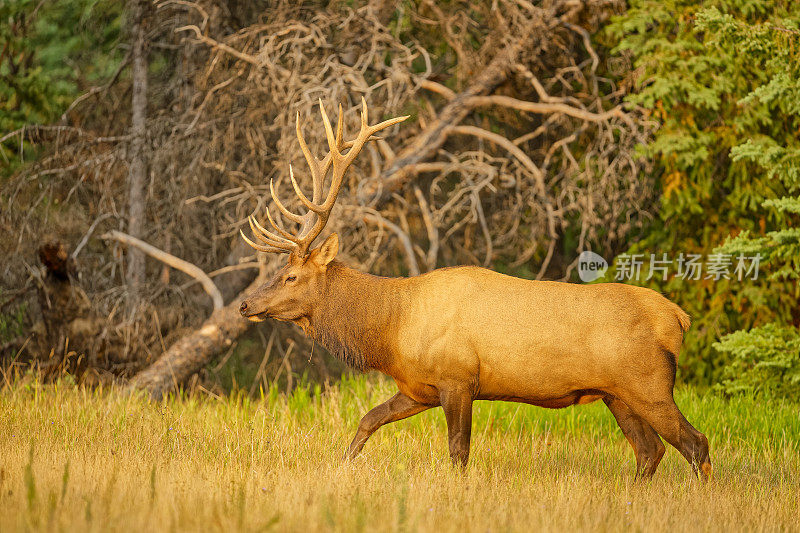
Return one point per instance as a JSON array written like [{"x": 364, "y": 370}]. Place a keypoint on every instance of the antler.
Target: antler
[{"x": 313, "y": 222}]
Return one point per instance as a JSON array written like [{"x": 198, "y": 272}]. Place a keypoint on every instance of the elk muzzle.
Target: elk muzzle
[{"x": 250, "y": 310}]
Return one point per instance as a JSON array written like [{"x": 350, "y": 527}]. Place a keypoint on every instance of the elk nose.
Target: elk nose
[{"x": 243, "y": 309}]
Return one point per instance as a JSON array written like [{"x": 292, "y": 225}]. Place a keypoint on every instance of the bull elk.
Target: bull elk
[{"x": 456, "y": 335}]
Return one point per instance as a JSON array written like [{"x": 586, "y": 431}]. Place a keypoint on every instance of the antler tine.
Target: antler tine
[
  {"x": 285, "y": 235},
  {"x": 260, "y": 248},
  {"x": 341, "y": 144},
  {"x": 364, "y": 114},
  {"x": 267, "y": 236},
  {"x": 377, "y": 127},
  {"x": 318, "y": 212},
  {"x": 310, "y": 205},
  {"x": 285, "y": 212},
  {"x": 385, "y": 124},
  {"x": 333, "y": 145},
  {"x": 340, "y": 129},
  {"x": 313, "y": 162}
]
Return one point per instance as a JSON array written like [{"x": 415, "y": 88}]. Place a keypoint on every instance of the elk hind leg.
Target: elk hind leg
[
  {"x": 644, "y": 440},
  {"x": 395, "y": 408},
  {"x": 665, "y": 417},
  {"x": 457, "y": 405}
]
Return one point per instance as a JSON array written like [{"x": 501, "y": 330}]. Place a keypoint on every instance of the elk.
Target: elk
[{"x": 455, "y": 335}]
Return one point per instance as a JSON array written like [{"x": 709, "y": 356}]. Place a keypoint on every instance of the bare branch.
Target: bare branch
[
  {"x": 545, "y": 108},
  {"x": 508, "y": 145},
  {"x": 430, "y": 227},
  {"x": 408, "y": 248},
  {"x": 446, "y": 92},
  {"x": 221, "y": 46},
  {"x": 431, "y": 138},
  {"x": 175, "y": 262}
]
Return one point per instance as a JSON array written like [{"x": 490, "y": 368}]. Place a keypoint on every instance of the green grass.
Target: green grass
[{"x": 76, "y": 459}]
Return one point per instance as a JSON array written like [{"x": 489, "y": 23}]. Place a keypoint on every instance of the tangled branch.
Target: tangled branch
[{"x": 519, "y": 152}]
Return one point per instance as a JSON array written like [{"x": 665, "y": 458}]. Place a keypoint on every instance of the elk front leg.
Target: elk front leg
[
  {"x": 457, "y": 405},
  {"x": 396, "y": 408}
]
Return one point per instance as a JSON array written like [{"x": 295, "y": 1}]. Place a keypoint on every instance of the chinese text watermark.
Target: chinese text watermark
[{"x": 638, "y": 267}]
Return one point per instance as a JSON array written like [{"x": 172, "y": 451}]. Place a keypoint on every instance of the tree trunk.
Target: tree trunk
[
  {"x": 137, "y": 159},
  {"x": 68, "y": 329}
]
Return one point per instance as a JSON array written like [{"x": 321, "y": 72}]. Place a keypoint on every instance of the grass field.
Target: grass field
[{"x": 73, "y": 459}]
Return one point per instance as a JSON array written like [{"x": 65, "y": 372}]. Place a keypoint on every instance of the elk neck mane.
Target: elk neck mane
[{"x": 355, "y": 317}]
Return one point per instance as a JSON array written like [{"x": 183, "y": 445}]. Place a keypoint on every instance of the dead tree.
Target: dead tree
[
  {"x": 137, "y": 158},
  {"x": 518, "y": 139},
  {"x": 67, "y": 330}
]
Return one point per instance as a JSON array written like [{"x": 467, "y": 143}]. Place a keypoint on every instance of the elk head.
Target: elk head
[{"x": 294, "y": 290}]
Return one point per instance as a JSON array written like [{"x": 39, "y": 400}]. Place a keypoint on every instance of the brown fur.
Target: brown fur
[
  {"x": 352, "y": 330},
  {"x": 461, "y": 334}
]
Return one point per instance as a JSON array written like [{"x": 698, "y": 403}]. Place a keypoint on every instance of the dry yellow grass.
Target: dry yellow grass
[{"x": 72, "y": 459}]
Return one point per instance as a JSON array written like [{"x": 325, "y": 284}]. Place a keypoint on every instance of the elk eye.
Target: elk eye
[{"x": 291, "y": 278}]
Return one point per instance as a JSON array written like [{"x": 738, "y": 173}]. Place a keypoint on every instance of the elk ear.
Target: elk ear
[{"x": 327, "y": 252}]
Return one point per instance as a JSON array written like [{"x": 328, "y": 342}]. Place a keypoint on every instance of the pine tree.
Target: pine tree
[
  {"x": 722, "y": 81},
  {"x": 49, "y": 53},
  {"x": 767, "y": 357}
]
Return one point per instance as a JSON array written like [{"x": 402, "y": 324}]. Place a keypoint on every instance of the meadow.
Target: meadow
[{"x": 102, "y": 460}]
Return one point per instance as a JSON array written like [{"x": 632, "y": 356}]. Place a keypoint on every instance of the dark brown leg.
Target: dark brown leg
[
  {"x": 396, "y": 408},
  {"x": 457, "y": 405},
  {"x": 643, "y": 439},
  {"x": 665, "y": 417}
]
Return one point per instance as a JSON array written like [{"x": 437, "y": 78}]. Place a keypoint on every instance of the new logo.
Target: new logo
[{"x": 591, "y": 266}]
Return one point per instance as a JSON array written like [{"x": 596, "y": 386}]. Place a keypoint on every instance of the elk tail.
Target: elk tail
[{"x": 683, "y": 318}]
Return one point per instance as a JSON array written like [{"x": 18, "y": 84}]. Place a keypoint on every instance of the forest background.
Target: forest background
[{"x": 639, "y": 130}]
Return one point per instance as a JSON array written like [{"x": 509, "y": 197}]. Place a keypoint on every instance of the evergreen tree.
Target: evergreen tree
[
  {"x": 723, "y": 81},
  {"x": 767, "y": 357},
  {"x": 49, "y": 53}
]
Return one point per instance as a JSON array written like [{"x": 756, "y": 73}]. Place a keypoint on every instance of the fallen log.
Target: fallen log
[{"x": 191, "y": 353}]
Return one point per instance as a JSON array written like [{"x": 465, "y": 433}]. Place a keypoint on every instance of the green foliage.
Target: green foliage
[
  {"x": 721, "y": 78},
  {"x": 12, "y": 323},
  {"x": 25, "y": 94},
  {"x": 49, "y": 53},
  {"x": 765, "y": 359}
]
